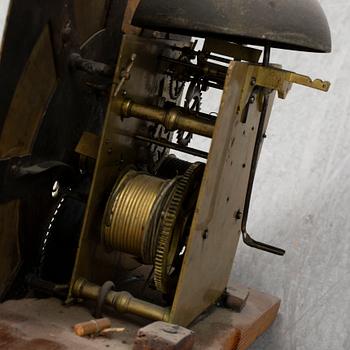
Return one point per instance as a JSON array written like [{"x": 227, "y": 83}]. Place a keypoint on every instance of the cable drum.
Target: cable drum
[{"x": 133, "y": 214}]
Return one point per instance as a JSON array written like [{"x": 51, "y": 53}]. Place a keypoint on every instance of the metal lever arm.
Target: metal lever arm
[
  {"x": 249, "y": 241},
  {"x": 270, "y": 78},
  {"x": 281, "y": 80},
  {"x": 246, "y": 237}
]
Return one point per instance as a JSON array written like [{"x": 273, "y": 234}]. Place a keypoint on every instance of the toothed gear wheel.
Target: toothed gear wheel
[
  {"x": 175, "y": 89},
  {"x": 171, "y": 230},
  {"x": 158, "y": 153},
  {"x": 193, "y": 99},
  {"x": 176, "y": 86},
  {"x": 193, "y": 103},
  {"x": 171, "y": 166}
]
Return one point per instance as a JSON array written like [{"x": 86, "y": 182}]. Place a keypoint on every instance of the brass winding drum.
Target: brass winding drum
[
  {"x": 132, "y": 213},
  {"x": 148, "y": 217}
]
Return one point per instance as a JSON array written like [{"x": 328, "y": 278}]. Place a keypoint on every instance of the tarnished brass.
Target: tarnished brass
[
  {"x": 133, "y": 212},
  {"x": 120, "y": 148},
  {"x": 88, "y": 145},
  {"x": 122, "y": 302},
  {"x": 210, "y": 252},
  {"x": 215, "y": 231},
  {"x": 202, "y": 274},
  {"x": 88, "y": 118},
  {"x": 282, "y": 80},
  {"x": 274, "y": 78},
  {"x": 176, "y": 218},
  {"x": 173, "y": 119},
  {"x": 128, "y": 15},
  {"x": 125, "y": 75},
  {"x": 29, "y": 104},
  {"x": 148, "y": 217}
]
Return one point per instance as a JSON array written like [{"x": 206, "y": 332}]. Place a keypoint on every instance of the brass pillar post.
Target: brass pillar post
[
  {"x": 122, "y": 302},
  {"x": 174, "y": 118}
]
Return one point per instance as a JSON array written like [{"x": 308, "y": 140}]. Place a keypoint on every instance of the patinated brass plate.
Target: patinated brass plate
[
  {"x": 29, "y": 103},
  {"x": 118, "y": 150},
  {"x": 215, "y": 229}
]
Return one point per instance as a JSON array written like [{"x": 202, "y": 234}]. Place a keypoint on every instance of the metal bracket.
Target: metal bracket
[
  {"x": 125, "y": 75},
  {"x": 275, "y": 78},
  {"x": 282, "y": 80}
]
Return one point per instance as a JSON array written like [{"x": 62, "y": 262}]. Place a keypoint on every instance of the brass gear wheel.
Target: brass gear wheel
[
  {"x": 193, "y": 103},
  {"x": 171, "y": 231}
]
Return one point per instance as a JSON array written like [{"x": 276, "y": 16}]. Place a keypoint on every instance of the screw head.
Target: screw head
[
  {"x": 252, "y": 99},
  {"x": 238, "y": 215},
  {"x": 205, "y": 234}
]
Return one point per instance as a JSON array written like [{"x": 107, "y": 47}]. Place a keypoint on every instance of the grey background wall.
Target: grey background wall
[
  {"x": 3, "y": 12},
  {"x": 302, "y": 201}
]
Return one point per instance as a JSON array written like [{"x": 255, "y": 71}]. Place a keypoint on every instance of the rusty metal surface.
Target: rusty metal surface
[{"x": 291, "y": 24}]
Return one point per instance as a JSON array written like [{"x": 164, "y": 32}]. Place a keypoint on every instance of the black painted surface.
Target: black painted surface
[
  {"x": 291, "y": 24},
  {"x": 74, "y": 108}
]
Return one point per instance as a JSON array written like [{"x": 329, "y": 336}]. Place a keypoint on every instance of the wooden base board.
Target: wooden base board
[
  {"x": 227, "y": 330},
  {"x": 45, "y": 324}
]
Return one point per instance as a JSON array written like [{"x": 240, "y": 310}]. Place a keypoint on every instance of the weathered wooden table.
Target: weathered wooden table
[{"x": 44, "y": 324}]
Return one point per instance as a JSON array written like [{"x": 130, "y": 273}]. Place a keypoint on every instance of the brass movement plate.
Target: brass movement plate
[
  {"x": 88, "y": 145},
  {"x": 215, "y": 230},
  {"x": 129, "y": 14},
  {"x": 117, "y": 151}
]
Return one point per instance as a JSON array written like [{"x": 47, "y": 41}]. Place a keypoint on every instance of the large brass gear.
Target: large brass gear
[{"x": 172, "y": 229}]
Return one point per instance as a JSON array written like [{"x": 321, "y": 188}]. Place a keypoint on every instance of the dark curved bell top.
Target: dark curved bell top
[{"x": 288, "y": 24}]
